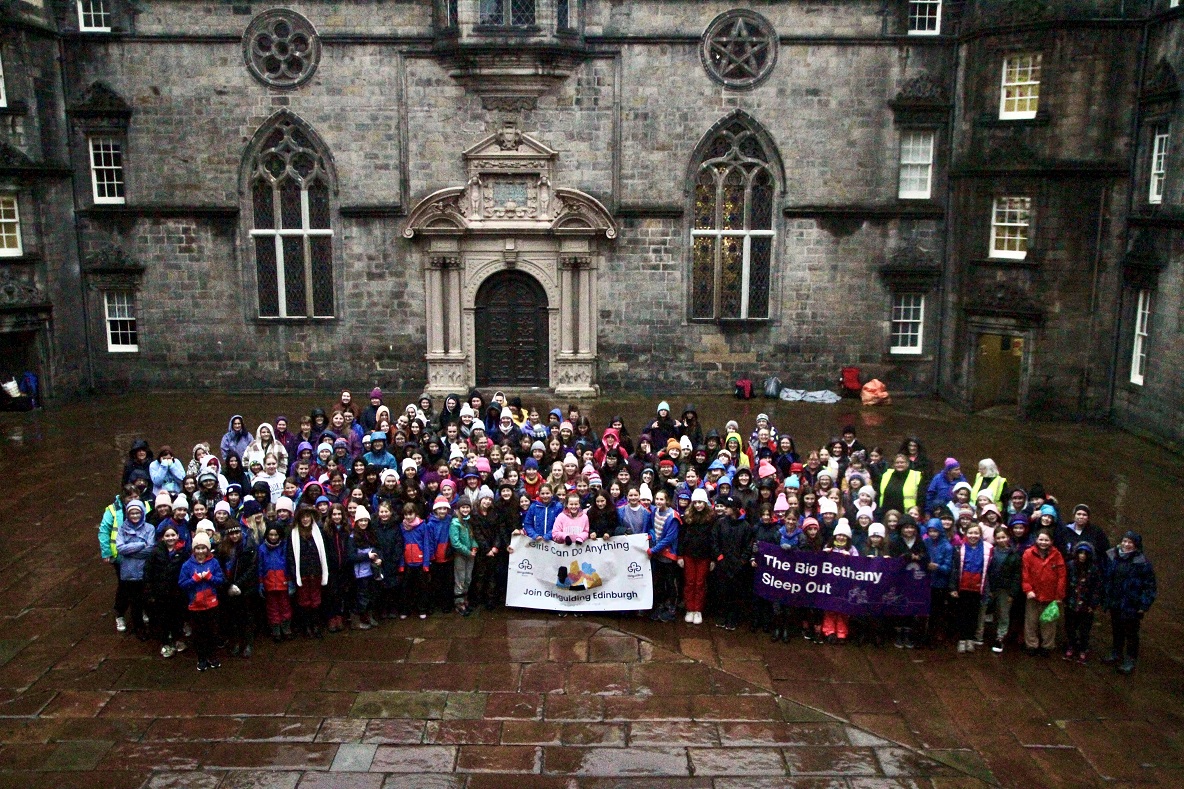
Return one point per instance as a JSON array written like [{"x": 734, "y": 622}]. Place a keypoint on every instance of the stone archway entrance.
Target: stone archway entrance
[
  {"x": 510, "y": 233},
  {"x": 511, "y": 329}
]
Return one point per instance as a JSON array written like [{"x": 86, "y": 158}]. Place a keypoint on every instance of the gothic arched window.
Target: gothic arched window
[
  {"x": 733, "y": 234},
  {"x": 292, "y": 233}
]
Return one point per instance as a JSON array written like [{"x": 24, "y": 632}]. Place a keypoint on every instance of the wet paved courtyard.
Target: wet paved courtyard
[{"x": 527, "y": 699}]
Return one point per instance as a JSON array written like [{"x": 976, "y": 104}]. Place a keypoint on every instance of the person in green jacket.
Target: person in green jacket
[{"x": 464, "y": 549}]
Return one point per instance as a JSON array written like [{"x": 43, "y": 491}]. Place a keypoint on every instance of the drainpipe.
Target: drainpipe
[
  {"x": 1082, "y": 395},
  {"x": 1116, "y": 320},
  {"x": 89, "y": 351},
  {"x": 949, "y": 224}
]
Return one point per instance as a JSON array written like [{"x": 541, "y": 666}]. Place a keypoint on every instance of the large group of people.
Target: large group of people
[{"x": 355, "y": 514}]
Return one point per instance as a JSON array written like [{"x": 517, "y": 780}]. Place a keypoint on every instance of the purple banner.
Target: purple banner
[{"x": 854, "y": 585}]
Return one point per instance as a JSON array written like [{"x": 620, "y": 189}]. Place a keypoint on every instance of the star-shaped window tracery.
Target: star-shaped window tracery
[{"x": 739, "y": 49}]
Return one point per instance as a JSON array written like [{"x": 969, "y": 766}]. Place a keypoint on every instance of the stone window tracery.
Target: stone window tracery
[
  {"x": 732, "y": 234},
  {"x": 281, "y": 48},
  {"x": 292, "y": 233},
  {"x": 739, "y": 49}
]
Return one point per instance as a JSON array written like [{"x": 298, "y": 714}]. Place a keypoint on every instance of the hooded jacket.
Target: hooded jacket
[
  {"x": 941, "y": 553},
  {"x": 131, "y": 464},
  {"x": 257, "y": 449},
  {"x": 272, "y": 563},
  {"x": 941, "y": 491},
  {"x": 162, "y": 572},
  {"x": 539, "y": 520},
  {"x": 109, "y": 529},
  {"x": 1129, "y": 588},
  {"x": 441, "y": 538},
  {"x": 134, "y": 541},
  {"x": 238, "y": 441},
  {"x": 1084, "y": 582},
  {"x": 1044, "y": 575},
  {"x": 418, "y": 544}
]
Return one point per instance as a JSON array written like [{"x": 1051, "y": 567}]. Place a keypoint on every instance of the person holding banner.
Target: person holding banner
[
  {"x": 908, "y": 543},
  {"x": 539, "y": 520},
  {"x": 834, "y": 624},
  {"x": 571, "y": 525}
]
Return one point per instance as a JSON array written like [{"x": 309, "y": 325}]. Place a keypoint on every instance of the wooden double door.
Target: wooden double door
[{"x": 511, "y": 331}]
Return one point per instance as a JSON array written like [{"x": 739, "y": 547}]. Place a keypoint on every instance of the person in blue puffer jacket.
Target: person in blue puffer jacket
[
  {"x": 941, "y": 564},
  {"x": 134, "y": 542},
  {"x": 539, "y": 519},
  {"x": 416, "y": 563}
]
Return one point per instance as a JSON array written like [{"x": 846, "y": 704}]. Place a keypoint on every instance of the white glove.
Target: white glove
[{"x": 234, "y": 591}]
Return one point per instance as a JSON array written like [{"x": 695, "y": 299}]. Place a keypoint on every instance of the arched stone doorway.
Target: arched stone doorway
[
  {"x": 512, "y": 333},
  {"x": 511, "y": 223}
]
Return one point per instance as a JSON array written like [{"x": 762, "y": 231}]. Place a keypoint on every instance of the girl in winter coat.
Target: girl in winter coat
[
  {"x": 439, "y": 526},
  {"x": 133, "y": 543},
  {"x": 464, "y": 550},
  {"x": 834, "y": 624},
  {"x": 663, "y": 553},
  {"x": 309, "y": 568},
  {"x": 272, "y": 561},
  {"x": 166, "y": 602},
  {"x": 364, "y": 558},
  {"x": 697, "y": 554},
  {"x": 200, "y": 577},
  {"x": 765, "y": 614},
  {"x": 941, "y": 562},
  {"x": 237, "y": 556},
  {"x": 388, "y": 529},
  {"x": 1044, "y": 581},
  {"x": 416, "y": 564},
  {"x": 485, "y": 529},
  {"x": 733, "y": 549},
  {"x": 969, "y": 575},
  {"x": 1129, "y": 591},
  {"x": 571, "y": 525},
  {"x": 1003, "y": 580},
  {"x": 1084, "y": 582}
]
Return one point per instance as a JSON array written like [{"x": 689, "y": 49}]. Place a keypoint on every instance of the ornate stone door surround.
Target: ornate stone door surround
[{"x": 510, "y": 215}]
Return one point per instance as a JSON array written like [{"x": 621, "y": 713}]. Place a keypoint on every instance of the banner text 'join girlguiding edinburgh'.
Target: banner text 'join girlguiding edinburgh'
[
  {"x": 599, "y": 575},
  {"x": 855, "y": 585}
]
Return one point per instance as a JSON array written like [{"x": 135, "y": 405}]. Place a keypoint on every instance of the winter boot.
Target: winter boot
[
  {"x": 277, "y": 634},
  {"x": 1127, "y": 666},
  {"x": 359, "y": 622}
]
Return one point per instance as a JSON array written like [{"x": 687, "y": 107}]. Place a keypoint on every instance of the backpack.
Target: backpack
[
  {"x": 743, "y": 389},
  {"x": 772, "y": 387},
  {"x": 849, "y": 378}
]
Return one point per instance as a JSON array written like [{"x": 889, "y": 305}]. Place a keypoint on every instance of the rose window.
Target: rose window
[
  {"x": 281, "y": 48},
  {"x": 739, "y": 49}
]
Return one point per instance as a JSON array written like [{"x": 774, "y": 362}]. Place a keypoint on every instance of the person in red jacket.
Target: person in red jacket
[{"x": 1044, "y": 582}]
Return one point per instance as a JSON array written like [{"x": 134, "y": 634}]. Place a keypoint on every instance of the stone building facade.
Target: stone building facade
[{"x": 979, "y": 200}]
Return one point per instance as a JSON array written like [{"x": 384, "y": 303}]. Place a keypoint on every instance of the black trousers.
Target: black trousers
[
  {"x": 484, "y": 587},
  {"x": 417, "y": 591},
  {"x": 1078, "y": 625},
  {"x": 133, "y": 592},
  {"x": 205, "y": 632},
  {"x": 966, "y": 609},
  {"x": 1125, "y": 634},
  {"x": 665, "y": 584}
]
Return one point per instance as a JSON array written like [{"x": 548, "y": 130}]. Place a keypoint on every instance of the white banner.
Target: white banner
[{"x": 600, "y": 575}]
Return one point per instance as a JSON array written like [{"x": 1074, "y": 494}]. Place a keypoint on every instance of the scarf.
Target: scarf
[{"x": 320, "y": 543}]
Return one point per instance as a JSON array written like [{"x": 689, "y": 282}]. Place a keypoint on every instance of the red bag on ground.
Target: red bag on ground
[
  {"x": 875, "y": 393},
  {"x": 849, "y": 378}
]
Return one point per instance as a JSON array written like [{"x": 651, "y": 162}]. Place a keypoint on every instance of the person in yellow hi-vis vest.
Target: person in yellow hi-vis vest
[
  {"x": 899, "y": 486},
  {"x": 990, "y": 480}
]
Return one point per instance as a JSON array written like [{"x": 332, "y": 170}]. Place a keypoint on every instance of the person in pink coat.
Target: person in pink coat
[{"x": 571, "y": 525}]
